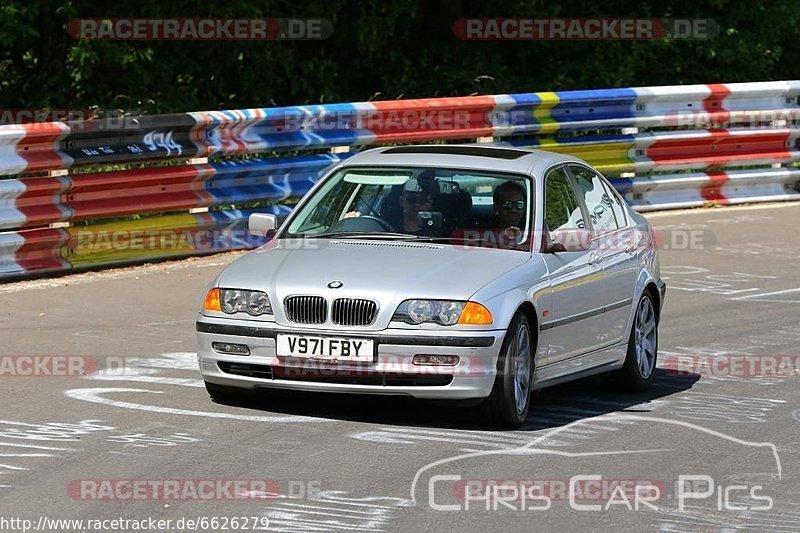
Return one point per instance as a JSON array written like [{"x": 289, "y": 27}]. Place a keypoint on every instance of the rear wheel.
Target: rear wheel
[
  {"x": 640, "y": 363},
  {"x": 508, "y": 404}
]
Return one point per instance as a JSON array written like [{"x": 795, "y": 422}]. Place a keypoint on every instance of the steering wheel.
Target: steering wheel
[
  {"x": 363, "y": 223},
  {"x": 513, "y": 234},
  {"x": 385, "y": 226}
]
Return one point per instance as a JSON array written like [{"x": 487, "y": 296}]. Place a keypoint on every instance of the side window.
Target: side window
[
  {"x": 561, "y": 209},
  {"x": 616, "y": 205},
  {"x": 597, "y": 199}
]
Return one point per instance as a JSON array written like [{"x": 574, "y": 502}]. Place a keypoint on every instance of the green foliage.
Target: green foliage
[{"x": 404, "y": 48}]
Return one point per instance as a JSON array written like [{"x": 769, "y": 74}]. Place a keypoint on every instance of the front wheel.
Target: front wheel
[
  {"x": 508, "y": 404},
  {"x": 640, "y": 363}
]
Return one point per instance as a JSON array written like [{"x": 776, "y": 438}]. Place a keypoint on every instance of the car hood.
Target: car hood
[{"x": 386, "y": 271}]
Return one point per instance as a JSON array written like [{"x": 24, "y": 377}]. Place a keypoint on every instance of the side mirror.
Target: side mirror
[
  {"x": 260, "y": 224},
  {"x": 567, "y": 240}
]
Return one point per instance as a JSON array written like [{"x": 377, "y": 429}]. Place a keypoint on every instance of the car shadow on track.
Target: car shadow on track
[{"x": 552, "y": 407}]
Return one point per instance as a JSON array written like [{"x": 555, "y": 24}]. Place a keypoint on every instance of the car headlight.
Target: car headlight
[
  {"x": 236, "y": 300},
  {"x": 442, "y": 312},
  {"x": 421, "y": 311},
  {"x": 258, "y": 303}
]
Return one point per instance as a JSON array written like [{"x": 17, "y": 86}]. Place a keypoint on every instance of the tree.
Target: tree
[{"x": 404, "y": 48}]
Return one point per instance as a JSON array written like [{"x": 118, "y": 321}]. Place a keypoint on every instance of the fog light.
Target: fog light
[
  {"x": 446, "y": 360},
  {"x": 229, "y": 348}
]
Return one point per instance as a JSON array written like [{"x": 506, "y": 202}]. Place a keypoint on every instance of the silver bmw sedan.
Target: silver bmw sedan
[{"x": 468, "y": 272}]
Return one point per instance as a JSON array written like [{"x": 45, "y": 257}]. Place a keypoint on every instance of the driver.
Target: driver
[{"x": 417, "y": 196}]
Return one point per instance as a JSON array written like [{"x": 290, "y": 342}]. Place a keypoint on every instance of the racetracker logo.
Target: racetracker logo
[
  {"x": 732, "y": 366},
  {"x": 46, "y": 365},
  {"x": 76, "y": 119},
  {"x": 626, "y": 240},
  {"x": 582, "y": 29},
  {"x": 765, "y": 118},
  {"x": 172, "y": 489},
  {"x": 199, "y": 29},
  {"x": 467, "y": 366},
  {"x": 388, "y": 120},
  {"x": 38, "y": 116},
  {"x": 576, "y": 488},
  {"x": 87, "y": 241}
]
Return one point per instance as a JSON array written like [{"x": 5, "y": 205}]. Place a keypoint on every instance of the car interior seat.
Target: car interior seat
[{"x": 390, "y": 209}]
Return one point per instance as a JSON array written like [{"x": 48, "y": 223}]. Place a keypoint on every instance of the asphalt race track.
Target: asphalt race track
[{"x": 723, "y": 417}]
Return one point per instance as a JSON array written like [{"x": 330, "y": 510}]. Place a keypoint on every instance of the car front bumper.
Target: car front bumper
[{"x": 391, "y": 372}]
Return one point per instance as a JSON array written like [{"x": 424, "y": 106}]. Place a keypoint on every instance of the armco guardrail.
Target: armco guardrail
[{"x": 662, "y": 147}]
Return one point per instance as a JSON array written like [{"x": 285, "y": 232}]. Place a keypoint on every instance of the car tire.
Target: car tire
[
  {"x": 225, "y": 394},
  {"x": 638, "y": 372},
  {"x": 508, "y": 404}
]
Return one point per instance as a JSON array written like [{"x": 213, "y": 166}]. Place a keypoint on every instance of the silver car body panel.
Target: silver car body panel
[{"x": 583, "y": 311}]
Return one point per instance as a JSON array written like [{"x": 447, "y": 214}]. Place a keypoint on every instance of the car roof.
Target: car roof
[{"x": 472, "y": 156}]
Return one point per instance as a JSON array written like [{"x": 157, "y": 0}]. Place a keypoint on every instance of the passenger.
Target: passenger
[{"x": 509, "y": 208}]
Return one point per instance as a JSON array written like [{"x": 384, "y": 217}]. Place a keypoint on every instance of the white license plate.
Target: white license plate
[{"x": 340, "y": 349}]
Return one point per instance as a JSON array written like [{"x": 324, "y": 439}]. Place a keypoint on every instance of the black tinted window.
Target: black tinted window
[{"x": 562, "y": 209}]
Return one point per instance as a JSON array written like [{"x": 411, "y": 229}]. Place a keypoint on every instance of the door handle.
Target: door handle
[{"x": 595, "y": 258}]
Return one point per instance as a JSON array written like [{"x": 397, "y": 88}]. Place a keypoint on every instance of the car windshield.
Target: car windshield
[{"x": 450, "y": 206}]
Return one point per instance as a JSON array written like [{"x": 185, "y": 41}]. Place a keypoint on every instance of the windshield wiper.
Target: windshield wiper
[
  {"x": 459, "y": 240},
  {"x": 363, "y": 235}
]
